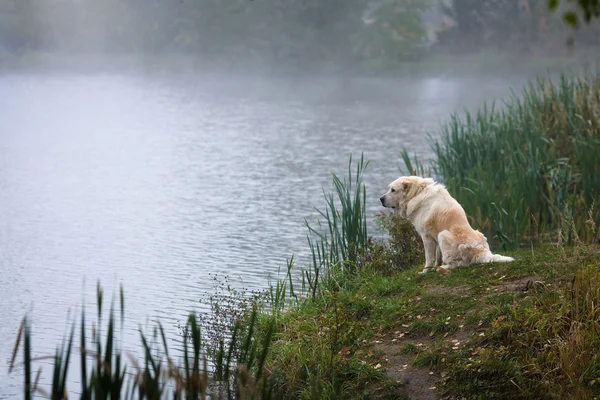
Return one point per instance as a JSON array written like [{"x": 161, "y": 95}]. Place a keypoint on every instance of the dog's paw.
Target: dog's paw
[{"x": 427, "y": 269}]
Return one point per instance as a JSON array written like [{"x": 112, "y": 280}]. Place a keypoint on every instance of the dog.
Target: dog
[{"x": 441, "y": 222}]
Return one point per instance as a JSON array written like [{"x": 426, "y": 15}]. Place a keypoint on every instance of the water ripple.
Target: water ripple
[{"x": 155, "y": 184}]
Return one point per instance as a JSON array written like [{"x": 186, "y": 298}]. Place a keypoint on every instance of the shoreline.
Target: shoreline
[{"x": 434, "y": 65}]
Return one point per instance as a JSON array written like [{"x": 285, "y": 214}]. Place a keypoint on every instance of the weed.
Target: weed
[
  {"x": 242, "y": 376},
  {"x": 428, "y": 359},
  {"x": 410, "y": 348},
  {"x": 404, "y": 248},
  {"x": 336, "y": 243}
]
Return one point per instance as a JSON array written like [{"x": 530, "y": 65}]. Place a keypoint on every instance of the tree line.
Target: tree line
[{"x": 287, "y": 31}]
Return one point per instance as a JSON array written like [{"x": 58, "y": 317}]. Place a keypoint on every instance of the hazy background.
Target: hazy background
[
  {"x": 291, "y": 36},
  {"x": 159, "y": 143}
]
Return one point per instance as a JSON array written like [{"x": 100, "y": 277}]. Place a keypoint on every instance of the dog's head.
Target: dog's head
[{"x": 402, "y": 190}]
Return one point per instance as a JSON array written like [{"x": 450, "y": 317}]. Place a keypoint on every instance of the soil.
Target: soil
[{"x": 427, "y": 383}]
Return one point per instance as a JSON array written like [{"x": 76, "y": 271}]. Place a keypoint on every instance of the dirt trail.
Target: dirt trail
[{"x": 426, "y": 383}]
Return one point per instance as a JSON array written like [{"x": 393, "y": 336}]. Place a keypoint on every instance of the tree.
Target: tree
[{"x": 589, "y": 8}]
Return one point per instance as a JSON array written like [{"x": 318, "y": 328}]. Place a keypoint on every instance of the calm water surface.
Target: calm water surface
[{"x": 157, "y": 183}]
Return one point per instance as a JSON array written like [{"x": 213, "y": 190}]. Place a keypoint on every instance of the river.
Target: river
[{"x": 159, "y": 183}]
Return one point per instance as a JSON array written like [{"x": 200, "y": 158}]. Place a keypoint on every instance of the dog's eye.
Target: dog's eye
[{"x": 393, "y": 190}]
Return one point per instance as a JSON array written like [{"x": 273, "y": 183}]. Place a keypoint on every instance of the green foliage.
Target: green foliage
[
  {"x": 545, "y": 346},
  {"x": 505, "y": 322},
  {"x": 319, "y": 347},
  {"x": 239, "y": 373},
  {"x": 227, "y": 305},
  {"x": 402, "y": 249},
  {"x": 307, "y": 36},
  {"x": 528, "y": 26},
  {"x": 528, "y": 170},
  {"x": 337, "y": 242},
  {"x": 261, "y": 32},
  {"x": 394, "y": 32},
  {"x": 589, "y": 8}
]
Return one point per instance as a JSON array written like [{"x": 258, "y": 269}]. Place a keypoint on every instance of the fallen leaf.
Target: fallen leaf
[{"x": 344, "y": 351}]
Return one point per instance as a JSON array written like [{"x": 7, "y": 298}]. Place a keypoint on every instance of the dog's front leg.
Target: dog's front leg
[
  {"x": 430, "y": 253},
  {"x": 438, "y": 255}
]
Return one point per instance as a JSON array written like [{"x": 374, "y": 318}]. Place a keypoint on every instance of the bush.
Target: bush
[{"x": 403, "y": 249}]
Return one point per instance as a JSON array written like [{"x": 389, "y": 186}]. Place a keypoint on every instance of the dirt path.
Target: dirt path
[{"x": 400, "y": 350}]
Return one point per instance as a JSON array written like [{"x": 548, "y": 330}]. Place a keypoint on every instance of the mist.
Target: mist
[
  {"x": 289, "y": 36},
  {"x": 159, "y": 144}
]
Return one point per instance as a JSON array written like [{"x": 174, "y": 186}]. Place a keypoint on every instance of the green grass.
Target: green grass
[
  {"x": 520, "y": 322},
  {"x": 239, "y": 366},
  {"x": 341, "y": 236},
  {"x": 527, "y": 170}
]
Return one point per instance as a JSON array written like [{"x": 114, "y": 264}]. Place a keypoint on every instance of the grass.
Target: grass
[
  {"x": 527, "y": 170},
  {"x": 527, "y": 329},
  {"x": 239, "y": 365},
  {"x": 543, "y": 346},
  {"x": 337, "y": 241}
]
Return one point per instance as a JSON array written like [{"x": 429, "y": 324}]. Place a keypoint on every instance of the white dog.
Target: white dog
[{"x": 441, "y": 222}]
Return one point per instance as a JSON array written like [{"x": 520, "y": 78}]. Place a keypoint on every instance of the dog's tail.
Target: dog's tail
[
  {"x": 490, "y": 258},
  {"x": 499, "y": 258}
]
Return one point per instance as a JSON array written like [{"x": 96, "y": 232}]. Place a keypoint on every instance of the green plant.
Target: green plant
[
  {"x": 521, "y": 171},
  {"x": 544, "y": 345},
  {"x": 337, "y": 242},
  {"x": 240, "y": 375},
  {"x": 404, "y": 247}
]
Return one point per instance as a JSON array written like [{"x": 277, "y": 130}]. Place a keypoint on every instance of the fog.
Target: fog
[
  {"x": 288, "y": 36},
  {"x": 159, "y": 143}
]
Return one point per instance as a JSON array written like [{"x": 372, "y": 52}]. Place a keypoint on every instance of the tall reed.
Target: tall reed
[
  {"x": 238, "y": 374},
  {"x": 337, "y": 241},
  {"x": 521, "y": 170}
]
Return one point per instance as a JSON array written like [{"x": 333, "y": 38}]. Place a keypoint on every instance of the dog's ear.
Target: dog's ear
[{"x": 405, "y": 187}]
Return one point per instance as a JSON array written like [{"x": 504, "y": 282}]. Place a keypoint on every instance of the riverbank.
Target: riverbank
[{"x": 526, "y": 329}]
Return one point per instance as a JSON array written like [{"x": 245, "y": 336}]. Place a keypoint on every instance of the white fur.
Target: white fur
[{"x": 441, "y": 222}]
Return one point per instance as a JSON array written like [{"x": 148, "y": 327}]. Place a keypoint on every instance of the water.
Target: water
[{"x": 157, "y": 182}]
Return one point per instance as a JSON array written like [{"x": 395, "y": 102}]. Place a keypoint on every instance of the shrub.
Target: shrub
[{"x": 402, "y": 249}]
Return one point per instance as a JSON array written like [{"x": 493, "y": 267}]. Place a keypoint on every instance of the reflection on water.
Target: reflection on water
[{"x": 155, "y": 183}]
